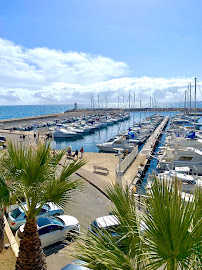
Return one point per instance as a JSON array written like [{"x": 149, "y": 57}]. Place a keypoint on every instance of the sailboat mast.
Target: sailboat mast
[
  {"x": 134, "y": 111},
  {"x": 129, "y": 102},
  {"x": 185, "y": 101},
  {"x": 134, "y": 100},
  {"x": 195, "y": 107},
  {"x": 140, "y": 111},
  {"x": 190, "y": 96}
]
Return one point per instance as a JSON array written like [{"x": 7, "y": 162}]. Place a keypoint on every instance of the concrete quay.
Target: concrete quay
[{"x": 138, "y": 167}]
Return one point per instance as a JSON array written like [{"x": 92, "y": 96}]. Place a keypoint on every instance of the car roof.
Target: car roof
[
  {"x": 48, "y": 206},
  {"x": 74, "y": 266},
  {"x": 107, "y": 221}
]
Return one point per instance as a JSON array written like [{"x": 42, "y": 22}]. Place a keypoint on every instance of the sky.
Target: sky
[{"x": 65, "y": 51}]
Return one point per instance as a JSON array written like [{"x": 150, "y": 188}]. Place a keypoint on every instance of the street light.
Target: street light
[{"x": 120, "y": 173}]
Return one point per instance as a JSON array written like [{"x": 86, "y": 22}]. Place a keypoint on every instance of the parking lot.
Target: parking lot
[{"x": 87, "y": 206}]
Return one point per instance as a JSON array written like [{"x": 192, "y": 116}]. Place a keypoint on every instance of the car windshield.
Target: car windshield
[
  {"x": 49, "y": 220},
  {"x": 15, "y": 213},
  {"x": 109, "y": 229}
]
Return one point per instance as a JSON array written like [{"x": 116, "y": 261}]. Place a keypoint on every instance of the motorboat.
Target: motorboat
[
  {"x": 187, "y": 182},
  {"x": 64, "y": 133},
  {"x": 116, "y": 143},
  {"x": 177, "y": 157}
]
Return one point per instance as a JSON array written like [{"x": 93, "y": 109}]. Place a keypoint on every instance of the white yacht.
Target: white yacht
[
  {"x": 178, "y": 157},
  {"x": 116, "y": 143},
  {"x": 63, "y": 133},
  {"x": 187, "y": 182}
]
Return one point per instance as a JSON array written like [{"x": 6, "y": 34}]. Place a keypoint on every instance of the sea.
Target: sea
[
  {"x": 88, "y": 142},
  {"x": 19, "y": 111}
]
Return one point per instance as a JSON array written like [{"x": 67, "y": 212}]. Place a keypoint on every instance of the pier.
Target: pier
[{"x": 138, "y": 168}]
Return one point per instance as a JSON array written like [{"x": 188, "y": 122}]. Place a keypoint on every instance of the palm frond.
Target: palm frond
[
  {"x": 69, "y": 169},
  {"x": 4, "y": 192},
  {"x": 169, "y": 236},
  {"x": 35, "y": 174},
  {"x": 100, "y": 251}
]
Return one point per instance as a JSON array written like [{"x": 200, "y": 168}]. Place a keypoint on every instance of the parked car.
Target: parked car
[
  {"x": 74, "y": 266},
  {"x": 54, "y": 229},
  {"x": 17, "y": 216},
  {"x": 108, "y": 223}
]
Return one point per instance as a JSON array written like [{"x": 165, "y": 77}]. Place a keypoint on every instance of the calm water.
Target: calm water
[{"x": 8, "y": 112}]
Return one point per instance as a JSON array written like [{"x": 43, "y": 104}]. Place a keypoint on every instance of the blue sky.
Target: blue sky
[{"x": 126, "y": 45}]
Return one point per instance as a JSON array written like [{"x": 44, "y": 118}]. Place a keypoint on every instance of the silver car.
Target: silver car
[
  {"x": 54, "y": 229},
  {"x": 17, "y": 216},
  {"x": 108, "y": 223}
]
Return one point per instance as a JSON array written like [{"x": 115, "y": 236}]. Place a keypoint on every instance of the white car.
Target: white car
[
  {"x": 54, "y": 229},
  {"x": 17, "y": 216},
  {"x": 106, "y": 223},
  {"x": 110, "y": 224}
]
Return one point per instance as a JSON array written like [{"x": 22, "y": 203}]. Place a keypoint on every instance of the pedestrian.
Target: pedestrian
[
  {"x": 69, "y": 152},
  {"x": 81, "y": 150},
  {"x": 76, "y": 154}
]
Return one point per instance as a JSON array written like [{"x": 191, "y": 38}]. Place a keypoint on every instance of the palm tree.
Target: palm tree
[
  {"x": 3, "y": 201},
  {"x": 168, "y": 234},
  {"x": 34, "y": 175},
  {"x": 1, "y": 231}
]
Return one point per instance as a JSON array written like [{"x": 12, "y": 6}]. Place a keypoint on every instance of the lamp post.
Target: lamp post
[{"x": 120, "y": 173}]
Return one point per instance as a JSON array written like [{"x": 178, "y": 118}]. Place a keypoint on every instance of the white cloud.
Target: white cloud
[{"x": 44, "y": 76}]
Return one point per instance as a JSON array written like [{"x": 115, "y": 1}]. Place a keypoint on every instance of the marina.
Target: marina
[
  {"x": 152, "y": 135},
  {"x": 100, "y": 135},
  {"x": 101, "y": 129},
  {"x": 129, "y": 146}
]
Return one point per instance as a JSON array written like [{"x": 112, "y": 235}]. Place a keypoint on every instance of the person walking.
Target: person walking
[
  {"x": 81, "y": 150},
  {"x": 76, "y": 154}
]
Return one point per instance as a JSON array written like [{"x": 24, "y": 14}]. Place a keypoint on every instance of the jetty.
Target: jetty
[{"x": 136, "y": 171}]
